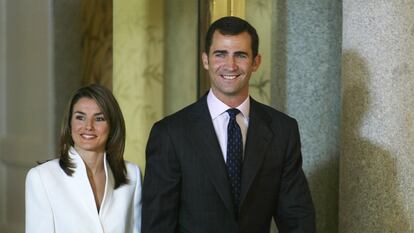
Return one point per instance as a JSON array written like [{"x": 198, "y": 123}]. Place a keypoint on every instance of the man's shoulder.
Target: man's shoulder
[{"x": 270, "y": 112}]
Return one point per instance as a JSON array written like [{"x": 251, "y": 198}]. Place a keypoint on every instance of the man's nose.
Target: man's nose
[{"x": 231, "y": 63}]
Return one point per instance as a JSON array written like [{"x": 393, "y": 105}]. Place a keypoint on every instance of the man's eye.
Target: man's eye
[
  {"x": 221, "y": 55},
  {"x": 241, "y": 55}
]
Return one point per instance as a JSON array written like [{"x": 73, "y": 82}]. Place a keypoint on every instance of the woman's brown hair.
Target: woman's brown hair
[{"x": 116, "y": 139}]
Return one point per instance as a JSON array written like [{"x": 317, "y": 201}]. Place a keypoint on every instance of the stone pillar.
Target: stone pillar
[
  {"x": 377, "y": 164},
  {"x": 28, "y": 105},
  {"x": 39, "y": 68},
  {"x": 306, "y": 85}
]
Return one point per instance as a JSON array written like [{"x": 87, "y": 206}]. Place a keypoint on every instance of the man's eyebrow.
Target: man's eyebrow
[
  {"x": 241, "y": 53},
  {"x": 219, "y": 51}
]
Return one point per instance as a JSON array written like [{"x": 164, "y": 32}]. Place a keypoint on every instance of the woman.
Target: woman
[{"x": 89, "y": 188}]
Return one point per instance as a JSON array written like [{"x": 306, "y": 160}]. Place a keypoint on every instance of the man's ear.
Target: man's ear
[
  {"x": 256, "y": 62},
  {"x": 204, "y": 57}
]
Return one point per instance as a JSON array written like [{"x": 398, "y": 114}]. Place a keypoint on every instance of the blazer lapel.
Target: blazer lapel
[
  {"x": 259, "y": 137},
  {"x": 83, "y": 190},
  {"x": 205, "y": 140},
  {"x": 109, "y": 188}
]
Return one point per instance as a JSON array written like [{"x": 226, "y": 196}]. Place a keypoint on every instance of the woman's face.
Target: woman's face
[{"x": 89, "y": 129}]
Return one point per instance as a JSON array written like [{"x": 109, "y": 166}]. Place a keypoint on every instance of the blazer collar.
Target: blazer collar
[{"x": 85, "y": 190}]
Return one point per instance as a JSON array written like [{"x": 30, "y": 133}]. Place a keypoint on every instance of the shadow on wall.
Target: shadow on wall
[
  {"x": 323, "y": 182},
  {"x": 319, "y": 181},
  {"x": 369, "y": 200}
]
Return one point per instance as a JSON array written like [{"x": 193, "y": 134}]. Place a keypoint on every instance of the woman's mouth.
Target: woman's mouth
[{"x": 88, "y": 136}]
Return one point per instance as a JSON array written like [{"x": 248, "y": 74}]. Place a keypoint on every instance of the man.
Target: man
[{"x": 210, "y": 169}]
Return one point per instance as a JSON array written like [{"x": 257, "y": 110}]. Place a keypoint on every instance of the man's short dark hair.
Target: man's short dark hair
[{"x": 231, "y": 25}]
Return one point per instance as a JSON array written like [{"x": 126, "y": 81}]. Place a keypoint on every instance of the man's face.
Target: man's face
[{"x": 230, "y": 64}]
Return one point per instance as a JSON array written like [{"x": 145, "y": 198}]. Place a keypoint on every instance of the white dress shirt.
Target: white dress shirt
[
  {"x": 221, "y": 119},
  {"x": 58, "y": 203}
]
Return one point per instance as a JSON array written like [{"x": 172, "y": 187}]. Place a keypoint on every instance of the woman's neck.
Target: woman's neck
[
  {"x": 94, "y": 161},
  {"x": 95, "y": 169}
]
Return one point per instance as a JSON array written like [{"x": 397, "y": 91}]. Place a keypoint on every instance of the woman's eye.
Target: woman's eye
[
  {"x": 79, "y": 117},
  {"x": 100, "y": 118}
]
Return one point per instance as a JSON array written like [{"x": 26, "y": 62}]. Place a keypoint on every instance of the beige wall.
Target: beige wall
[
  {"x": 259, "y": 14},
  {"x": 180, "y": 54},
  {"x": 2, "y": 109},
  {"x": 138, "y": 69},
  {"x": 3, "y": 60},
  {"x": 97, "y": 42}
]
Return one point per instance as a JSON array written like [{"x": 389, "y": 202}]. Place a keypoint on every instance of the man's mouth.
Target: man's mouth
[{"x": 230, "y": 77}]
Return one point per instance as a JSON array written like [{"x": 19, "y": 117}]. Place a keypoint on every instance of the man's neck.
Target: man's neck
[{"x": 231, "y": 101}]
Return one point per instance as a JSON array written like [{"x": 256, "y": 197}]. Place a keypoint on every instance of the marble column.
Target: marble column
[
  {"x": 28, "y": 118},
  {"x": 306, "y": 85},
  {"x": 377, "y": 163}
]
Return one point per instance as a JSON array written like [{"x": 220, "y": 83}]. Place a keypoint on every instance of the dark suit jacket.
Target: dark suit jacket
[{"x": 186, "y": 188}]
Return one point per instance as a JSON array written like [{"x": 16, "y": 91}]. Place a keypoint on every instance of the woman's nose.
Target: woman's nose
[{"x": 89, "y": 125}]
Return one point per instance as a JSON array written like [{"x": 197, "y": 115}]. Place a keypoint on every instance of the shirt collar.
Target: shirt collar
[{"x": 217, "y": 107}]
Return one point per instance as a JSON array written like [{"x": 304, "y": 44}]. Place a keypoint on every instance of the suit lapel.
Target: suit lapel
[
  {"x": 259, "y": 137},
  {"x": 205, "y": 140}
]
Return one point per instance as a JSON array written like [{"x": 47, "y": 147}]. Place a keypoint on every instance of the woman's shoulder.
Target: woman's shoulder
[
  {"x": 45, "y": 171},
  {"x": 133, "y": 171},
  {"x": 46, "y": 167}
]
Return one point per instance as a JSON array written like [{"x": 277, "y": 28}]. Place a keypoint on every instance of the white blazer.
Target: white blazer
[{"x": 58, "y": 203}]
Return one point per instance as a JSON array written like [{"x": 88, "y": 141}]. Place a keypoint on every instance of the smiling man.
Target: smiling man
[
  {"x": 230, "y": 63},
  {"x": 226, "y": 163}
]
